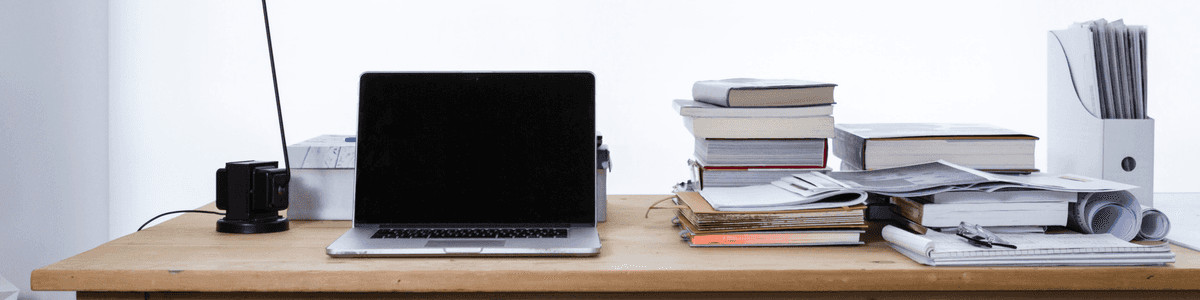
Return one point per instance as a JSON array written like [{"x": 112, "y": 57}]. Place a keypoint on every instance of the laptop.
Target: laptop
[{"x": 474, "y": 164}]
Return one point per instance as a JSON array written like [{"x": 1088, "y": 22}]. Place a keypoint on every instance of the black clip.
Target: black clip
[{"x": 978, "y": 236}]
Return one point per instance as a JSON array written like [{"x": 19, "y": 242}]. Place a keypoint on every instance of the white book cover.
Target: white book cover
[
  {"x": 752, "y": 92},
  {"x": 912, "y": 130},
  {"x": 690, "y": 108}
]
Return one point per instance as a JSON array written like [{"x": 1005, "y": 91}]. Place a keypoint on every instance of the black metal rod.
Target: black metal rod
[{"x": 275, "y": 81}]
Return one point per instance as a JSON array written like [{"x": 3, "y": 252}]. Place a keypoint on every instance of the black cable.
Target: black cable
[
  {"x": 278, "y": 108},
  {"x": 176, "y": 212}
]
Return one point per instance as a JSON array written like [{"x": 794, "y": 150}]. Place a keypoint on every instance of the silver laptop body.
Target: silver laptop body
[{"x": 474, "y": 164}]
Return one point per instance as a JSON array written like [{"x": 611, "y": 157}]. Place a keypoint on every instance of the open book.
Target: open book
[{"x": 941, "y": 176}]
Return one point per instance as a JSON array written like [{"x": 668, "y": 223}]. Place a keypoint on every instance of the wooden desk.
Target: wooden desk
[{"x": 641, "y": 258}]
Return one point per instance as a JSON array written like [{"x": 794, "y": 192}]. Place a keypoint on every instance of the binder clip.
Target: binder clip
[{"x": 978, "y": 236}]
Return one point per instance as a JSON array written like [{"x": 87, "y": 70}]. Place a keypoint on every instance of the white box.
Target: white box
[
  {"x": 322, "y": 185},
  {"x": 1080, "y": 142}
]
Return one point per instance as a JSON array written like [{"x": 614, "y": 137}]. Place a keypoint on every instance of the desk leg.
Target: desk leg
[{"x": 109, "y": 296}]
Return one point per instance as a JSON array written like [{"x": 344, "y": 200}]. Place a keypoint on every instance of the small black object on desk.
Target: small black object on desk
[{"x": 252, "y": 193}]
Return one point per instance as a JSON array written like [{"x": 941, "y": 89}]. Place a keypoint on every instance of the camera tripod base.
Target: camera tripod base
[{"x": 258, "y": 226}]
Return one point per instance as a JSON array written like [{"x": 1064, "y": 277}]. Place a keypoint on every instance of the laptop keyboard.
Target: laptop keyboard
[{"x": 467, "y": 233}]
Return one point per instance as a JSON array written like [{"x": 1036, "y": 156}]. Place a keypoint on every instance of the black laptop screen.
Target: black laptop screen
[{"x": 476, "y": 148}]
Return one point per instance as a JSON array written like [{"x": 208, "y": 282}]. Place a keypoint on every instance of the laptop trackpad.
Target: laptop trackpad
[{"x": 464, "y": 243}]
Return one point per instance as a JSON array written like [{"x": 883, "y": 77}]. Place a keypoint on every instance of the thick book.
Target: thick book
[
  {"x": 984, "y": 214},
  {"x": 749, "y": 92},
  {"x": 1001, "y": 197},
  {"x": 766, "y": 238},
  {"x": 887, "y": 145},
  {"x": 690, "y": 108},
  {"x": 736, "y": 176},
  {"x": 695, "y": 208},
  {"x": 760, "y": 128},
  {"x": 810, "y": 153}
]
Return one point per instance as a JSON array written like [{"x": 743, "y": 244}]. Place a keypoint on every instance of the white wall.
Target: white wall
[
  {"x": 191, "y": 86},
  {"x": 53, "y": 131}
]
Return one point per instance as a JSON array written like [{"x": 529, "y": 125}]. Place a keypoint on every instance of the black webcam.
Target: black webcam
[{"x": 252, "y": 193}]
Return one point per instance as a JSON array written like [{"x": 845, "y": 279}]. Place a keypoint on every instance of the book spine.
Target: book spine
[
  {"x": 849, "y": 148},
  {"x": 825, "y": 153},
  {"x": 711, "y": 94},
  {"x": 749, "y": 239},
  {"x": 908, "y": 209}
]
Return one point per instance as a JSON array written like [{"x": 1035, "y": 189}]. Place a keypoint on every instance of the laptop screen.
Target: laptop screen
[{"x": 437, "y": 148}]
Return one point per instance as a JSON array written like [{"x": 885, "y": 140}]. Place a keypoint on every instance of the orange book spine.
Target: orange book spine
[{"x": 747, "y": 239}]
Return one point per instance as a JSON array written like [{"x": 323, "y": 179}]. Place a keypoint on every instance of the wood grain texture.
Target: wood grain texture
[
  {"x": 922, "y": 295},
  {"x": 110, "y": 296},
  {"x": 639, "y": 255}
]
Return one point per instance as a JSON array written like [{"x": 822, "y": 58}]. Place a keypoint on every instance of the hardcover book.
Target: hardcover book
[
  {"x": 887, "y": 145},
  {"x": 749, "y": 92}
]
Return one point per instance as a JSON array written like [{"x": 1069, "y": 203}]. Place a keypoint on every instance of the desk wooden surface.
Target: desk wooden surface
[{"x": 639, "y": 255}]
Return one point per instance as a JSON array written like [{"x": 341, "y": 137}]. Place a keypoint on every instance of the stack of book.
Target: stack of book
[
  {"x": 887, "y": 145},
  {"x": 1000, "y": 211},
  {"x": 754, "y": 131},
  {"x": 704, "y": 226}
]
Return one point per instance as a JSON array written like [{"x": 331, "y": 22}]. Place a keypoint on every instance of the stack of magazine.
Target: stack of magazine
[
  {"x": 754, "y": 131},
  {"x": 705, "y": 226}
]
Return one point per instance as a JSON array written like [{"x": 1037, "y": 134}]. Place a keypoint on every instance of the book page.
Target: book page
[
  {"x": 909, "y": 178},
  {"x": 769, "y": 197}
]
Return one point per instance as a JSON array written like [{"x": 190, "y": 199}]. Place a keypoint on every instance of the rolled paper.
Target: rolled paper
[
  {"x": 1117, "y": 213},
  {"x": 1155, "y": 225}
]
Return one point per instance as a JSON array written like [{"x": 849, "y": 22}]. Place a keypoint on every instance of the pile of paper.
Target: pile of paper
[
  {"x": 1033, "y": 249},
  {"x": 1120, "y": 55},
  {"x": 941, "y": 176}
]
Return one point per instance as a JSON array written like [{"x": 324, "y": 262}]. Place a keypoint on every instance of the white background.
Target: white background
[
  {"x": 188, "y": 82},
  {"x": 191, "y": 83}
]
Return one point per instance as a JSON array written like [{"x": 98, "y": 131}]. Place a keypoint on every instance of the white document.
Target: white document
[
  {"x": 770, "y": 197},
  {"x": 1119, "y": 55},
  {"x": 1063, "y": 182},
  {"x": 941, "y": 176},
  {"x": 1079, "y": 50},
  {"x": 7, "y": 290},
  {"x": 1184, "y": 213}
]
